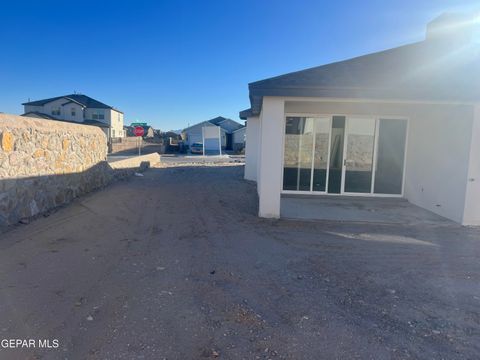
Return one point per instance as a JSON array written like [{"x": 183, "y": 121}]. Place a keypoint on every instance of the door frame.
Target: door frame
[
  {"x": 377, "y": 119},
  {"x": 376, "y": 122}
]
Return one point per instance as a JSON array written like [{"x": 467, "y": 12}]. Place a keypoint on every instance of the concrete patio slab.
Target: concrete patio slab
[{"x": 356, "y": 209}]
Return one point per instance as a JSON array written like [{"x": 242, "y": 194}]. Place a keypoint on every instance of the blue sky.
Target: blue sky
[{"x": 174, "y": 63}]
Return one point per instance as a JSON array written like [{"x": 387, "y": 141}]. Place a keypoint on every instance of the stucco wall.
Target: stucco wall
[
  {"x": 45, "y": 163},
  {"x": 239, "y": 136},
  {"x": 252, "y": 148},
  {"x": 437, "y": 160},
  {"x": 65, "y": 111},
  {"x": 90, "y": 111},
  {"x": 472, "y": 196},
  {"x": 31, "y": 108},
  {"x": 269, "y": 178}
]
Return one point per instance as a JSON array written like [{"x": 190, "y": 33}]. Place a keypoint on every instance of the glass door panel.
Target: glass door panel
[
  {"x": 298, "y": 153},
  {"x": 390, "y": 156},
  {"x": 336, "y": 155},
  {"x": 358, "y": 163},
  {"x": 320, "y": 159}
]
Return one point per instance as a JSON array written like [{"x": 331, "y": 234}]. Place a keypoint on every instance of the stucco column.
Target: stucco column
[
  {"x": 251, "y": 148},
  {"x": 471, "y": 215},
  {"x": 270, "y": 167}
]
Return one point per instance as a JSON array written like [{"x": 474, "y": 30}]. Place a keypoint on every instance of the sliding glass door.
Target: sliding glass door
[
  {"x": 306, "y": 153},
  {"x": 358, "y": 162},
  {"x": 392, "y": 134},
  {"x": 344, "y": 155},
  {"x": 335, "y": 168},
  {"x": 298, "y": 154},
  {"x": 320, "y": 154}
]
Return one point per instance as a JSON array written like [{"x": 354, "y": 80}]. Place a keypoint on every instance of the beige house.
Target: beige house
[
  {"x": 400, "y": 123},
  {"x": 80, "y": 109}
]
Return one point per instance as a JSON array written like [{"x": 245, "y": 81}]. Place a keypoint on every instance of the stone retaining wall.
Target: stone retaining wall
[{"x": 46, "y": 163}]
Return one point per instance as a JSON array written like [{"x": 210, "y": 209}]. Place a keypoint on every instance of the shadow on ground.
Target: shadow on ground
[{"x": 23, "y": 198}]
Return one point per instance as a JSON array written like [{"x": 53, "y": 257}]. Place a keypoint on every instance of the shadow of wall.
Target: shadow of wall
[
  {"x": 26, "y": 197},
  {"x": 44, "y": 164}
]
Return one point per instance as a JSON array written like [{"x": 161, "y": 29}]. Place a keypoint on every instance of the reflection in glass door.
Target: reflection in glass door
[
  {"x": 305, "y": 153},
  {"x": 392, "y": 134},
  {"x": 336, "y": 155},
  {"x": 320, "y": 155},
  {"x": 297, "y": 167},
  {"x": 358, "y": 162}
]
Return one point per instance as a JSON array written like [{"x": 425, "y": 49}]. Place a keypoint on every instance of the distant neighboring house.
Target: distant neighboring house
[
  {"x": 149, "y": 132},
  {"x": 79, "y": 109},
  {"x": 239, "y": 139},
  {"x": 193, "y": 134}
]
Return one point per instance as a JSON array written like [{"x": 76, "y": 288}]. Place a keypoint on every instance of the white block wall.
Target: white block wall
[
  {"x": 438, "y": 153},
  {"x": 271, "y": 149}
]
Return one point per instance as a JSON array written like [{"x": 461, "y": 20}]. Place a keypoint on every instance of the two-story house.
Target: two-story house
[{"x": 81, "y": 109}]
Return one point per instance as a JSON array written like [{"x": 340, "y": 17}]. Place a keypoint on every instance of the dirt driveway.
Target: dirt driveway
[{"x": 176, "y": 265}]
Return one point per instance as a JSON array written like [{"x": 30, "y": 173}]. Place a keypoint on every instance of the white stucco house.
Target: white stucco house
[
  {"x": 227, "y": 127},
  {"x": 239, "y": 138},
  {"x": 81, "y": 109},
  {"x": 403, "y": 122}
]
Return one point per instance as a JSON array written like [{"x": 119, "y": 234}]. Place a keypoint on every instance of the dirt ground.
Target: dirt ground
[{"x": 176, "y": 265}]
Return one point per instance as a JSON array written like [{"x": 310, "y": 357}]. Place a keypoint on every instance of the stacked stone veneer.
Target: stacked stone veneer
[{"x": 44, "y": 164}]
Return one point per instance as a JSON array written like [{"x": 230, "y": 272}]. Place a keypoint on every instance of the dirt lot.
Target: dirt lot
[{"x": 176, "y": 265}]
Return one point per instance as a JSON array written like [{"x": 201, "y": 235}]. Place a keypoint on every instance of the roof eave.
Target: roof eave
[{"x": 372, "y": 93}]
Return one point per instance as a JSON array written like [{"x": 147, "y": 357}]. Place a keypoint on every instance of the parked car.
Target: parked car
[{"x": 196, "y": 148}]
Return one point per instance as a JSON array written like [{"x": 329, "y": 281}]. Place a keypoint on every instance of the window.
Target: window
[
  {"x": 73, "y": 112},
  {"x": 56, "y": 111},
  {"x": 98, "y": 115}
]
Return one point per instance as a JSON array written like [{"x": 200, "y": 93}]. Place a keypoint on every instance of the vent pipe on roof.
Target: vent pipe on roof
[{"x": 454, "y": 29}]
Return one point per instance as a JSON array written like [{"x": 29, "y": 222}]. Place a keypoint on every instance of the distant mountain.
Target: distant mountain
[{"x": 178, "y": 132}]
